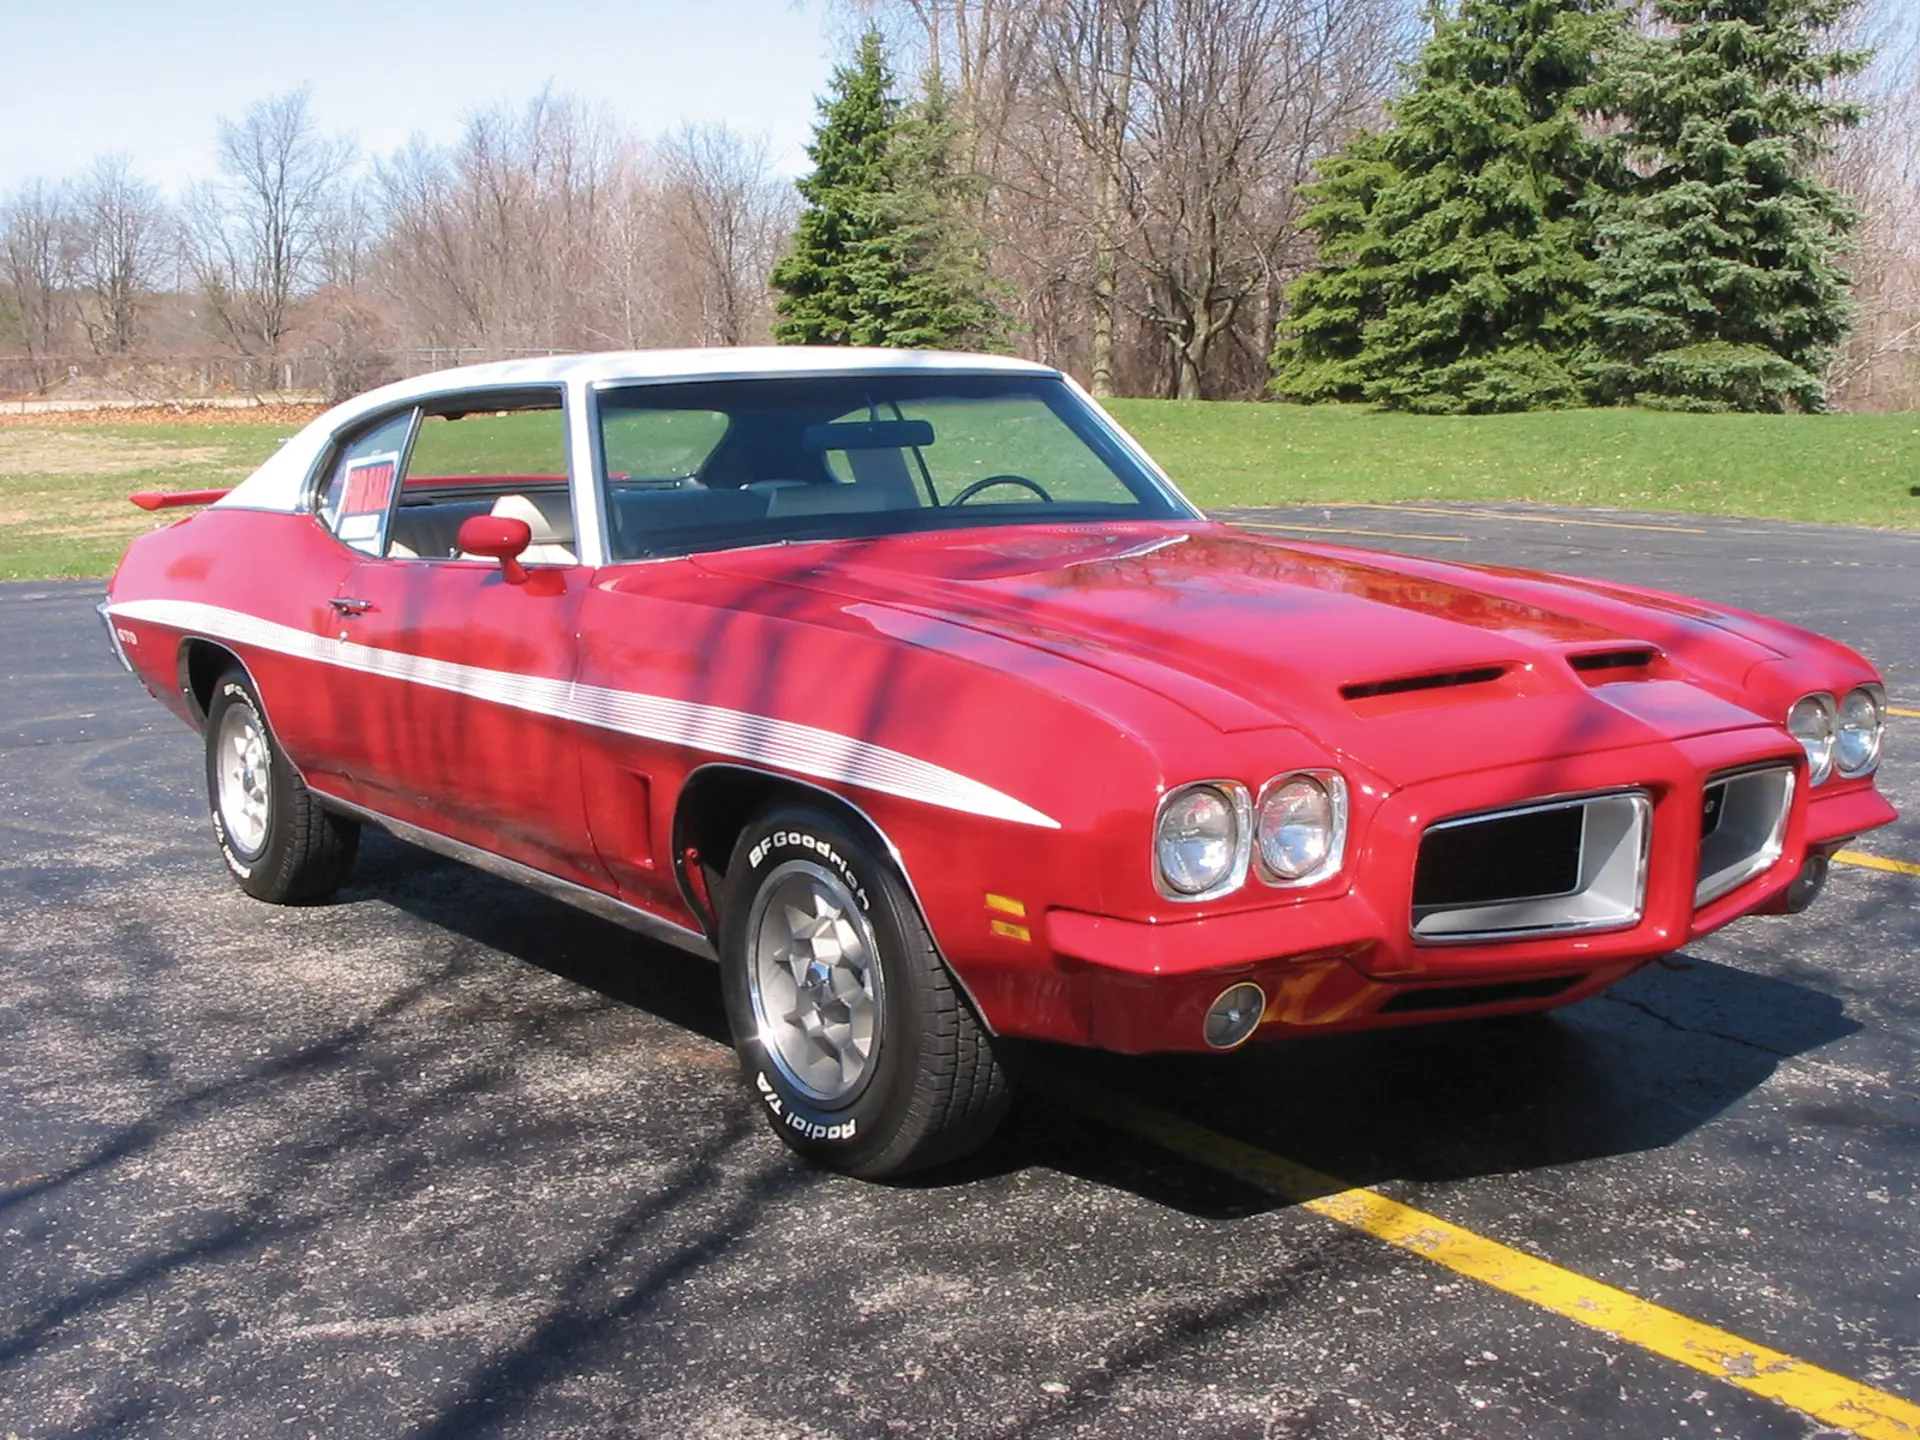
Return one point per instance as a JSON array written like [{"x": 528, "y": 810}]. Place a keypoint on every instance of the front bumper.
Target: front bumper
[{"x": 1349, "y": 961}]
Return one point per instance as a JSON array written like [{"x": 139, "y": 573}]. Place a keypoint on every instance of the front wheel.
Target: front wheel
[
  {"x": 277, "y": 839},
  {"x": 853, "y": 1034}
]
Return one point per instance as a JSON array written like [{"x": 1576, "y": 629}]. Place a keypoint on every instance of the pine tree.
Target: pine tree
[
  {"x": 1454, "y": 267},
  {"x": 834, "y": 278},
  {"x": 945, "y": 298},
  {"x": 1718, "y": 283},
  {"x": 884, "y": 253}
]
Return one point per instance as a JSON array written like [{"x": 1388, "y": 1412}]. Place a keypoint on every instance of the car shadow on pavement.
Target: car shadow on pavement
[
  {"x": 618, "y": 964},
  {"x": 1635, "y": 1069}
]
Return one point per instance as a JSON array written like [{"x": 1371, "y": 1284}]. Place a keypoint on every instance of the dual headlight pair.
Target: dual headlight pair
[
  {"x": 1208, "y": 835},
  {"x": 1840, "y": 738}
]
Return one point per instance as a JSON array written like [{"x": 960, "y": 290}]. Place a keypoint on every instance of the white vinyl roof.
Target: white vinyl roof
[{"x": 278, "y": 484}]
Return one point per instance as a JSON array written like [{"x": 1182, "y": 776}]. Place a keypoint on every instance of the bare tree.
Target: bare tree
[
  {"x": 37, "y": 266},
  {"x": 732, "y": 216},
  {"x": 255, "y": 236},
  {"x": 1094, "y": 50},
  {"x": 495, "y": 244},
  {"x": 1239, "y": 99},
  {"x": 345, "y": 236},
  {"x": 1877, "y": 165},
  {"x": 123, "y": 244},
  {"x": 1142, "y": 161}
]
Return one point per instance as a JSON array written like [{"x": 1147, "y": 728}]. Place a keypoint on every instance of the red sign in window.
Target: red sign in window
[{"x": 369, "y": 484}]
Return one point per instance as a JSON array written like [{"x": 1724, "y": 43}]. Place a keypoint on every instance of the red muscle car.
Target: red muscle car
[{"x": 908, "y": 687}]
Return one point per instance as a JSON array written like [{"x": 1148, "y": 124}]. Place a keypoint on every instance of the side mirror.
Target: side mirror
[{"x": 498, "y": 537}]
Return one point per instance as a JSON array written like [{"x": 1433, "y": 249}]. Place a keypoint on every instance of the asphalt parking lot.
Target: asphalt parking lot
[{"x": 447, "y": 1158}]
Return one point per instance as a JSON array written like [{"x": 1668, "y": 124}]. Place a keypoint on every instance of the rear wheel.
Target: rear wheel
[
  {"x": 276, "y": 838},
  {"x": 855, "y": 1037}
]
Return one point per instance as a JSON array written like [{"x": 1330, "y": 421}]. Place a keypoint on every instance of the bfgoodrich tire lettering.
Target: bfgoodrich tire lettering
[
  {"x": 278, "y": 841},
  {"x": 860, "y": 1049}
]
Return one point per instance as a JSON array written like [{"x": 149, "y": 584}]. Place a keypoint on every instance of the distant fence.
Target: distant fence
[{"x": 160, "y": 379}]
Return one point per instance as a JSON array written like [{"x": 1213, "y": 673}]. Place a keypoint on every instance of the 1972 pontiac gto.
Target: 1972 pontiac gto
[{"x": 908, "y": 687}]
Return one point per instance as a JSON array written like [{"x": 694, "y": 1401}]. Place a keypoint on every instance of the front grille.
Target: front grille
[
  {"x": 1506, "y": 857},
  {"x": 1743, "y": 828},
  {"x": 1549, "y": 867}
]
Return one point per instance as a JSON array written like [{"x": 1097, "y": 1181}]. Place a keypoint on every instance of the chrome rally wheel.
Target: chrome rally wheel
[
  {"x": 815, "y": 981},
  {"x": 861, "y": 1049},
  {"x": 278, "y": 840},
  {"x": 243, "y": 785}
]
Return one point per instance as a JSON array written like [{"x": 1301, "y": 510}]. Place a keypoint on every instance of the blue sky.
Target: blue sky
[{"x": 84, "y": 78}]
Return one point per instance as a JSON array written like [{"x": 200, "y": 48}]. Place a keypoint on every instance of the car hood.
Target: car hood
[{"x": 1365, "y": 652}]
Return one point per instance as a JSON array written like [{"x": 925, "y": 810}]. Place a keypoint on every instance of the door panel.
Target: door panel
[{"x": 459, "y": 721}]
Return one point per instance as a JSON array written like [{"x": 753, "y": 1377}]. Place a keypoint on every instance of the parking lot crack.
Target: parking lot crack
[{"x": 1673, "y": 1024}]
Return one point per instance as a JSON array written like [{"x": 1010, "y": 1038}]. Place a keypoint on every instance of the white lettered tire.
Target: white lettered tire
[
  {"x": 277, "y": 840},
  {"x": 861, "y": 1050}
]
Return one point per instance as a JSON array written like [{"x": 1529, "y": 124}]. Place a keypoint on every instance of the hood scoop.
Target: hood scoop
[
  {"x": 1414, "y": 692},
  {"x": 1627, "y": 662}
]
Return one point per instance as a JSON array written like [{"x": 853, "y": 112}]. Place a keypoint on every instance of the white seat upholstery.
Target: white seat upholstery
[{"x": 550, "y": 518}]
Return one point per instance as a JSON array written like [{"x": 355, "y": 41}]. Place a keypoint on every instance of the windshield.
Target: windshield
[{"x": 722, "y": 463}]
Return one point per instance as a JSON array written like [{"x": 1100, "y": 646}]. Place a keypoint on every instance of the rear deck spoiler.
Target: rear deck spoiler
[{"x": 166, "y": 500}]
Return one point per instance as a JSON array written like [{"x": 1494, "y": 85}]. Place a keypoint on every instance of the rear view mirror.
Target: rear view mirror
[
  {"x": 498, "y": 537},
  {"x": 869, "y": 435}
]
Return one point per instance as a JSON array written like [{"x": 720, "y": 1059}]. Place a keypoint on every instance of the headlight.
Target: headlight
[
  {"x": 1856, "y": 744},
  {"x": 1301, "y": 827},
  {"x": 1810, "y": 721},
  {"x": 1201, "y": 840}
]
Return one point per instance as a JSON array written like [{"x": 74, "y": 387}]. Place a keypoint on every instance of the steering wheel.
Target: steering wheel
[{"x": 977, "y": 486}]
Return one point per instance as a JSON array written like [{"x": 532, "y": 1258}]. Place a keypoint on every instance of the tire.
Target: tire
[
  {"x": 276, "y": 838},
  {"x": 868, "y": 1060}
]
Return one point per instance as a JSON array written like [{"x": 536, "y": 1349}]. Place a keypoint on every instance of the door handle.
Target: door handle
[{"x": 350, "y": 607}]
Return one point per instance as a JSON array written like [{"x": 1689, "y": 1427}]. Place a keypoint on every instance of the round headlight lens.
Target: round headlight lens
[
  {"x": 1810, "y": 721},
  {"x": 1296, "y": 827},
  {"x": 1856, "y": 744},
  {"x": 1197, "y": 840}
]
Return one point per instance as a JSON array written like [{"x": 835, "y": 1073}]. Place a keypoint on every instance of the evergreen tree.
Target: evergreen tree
[
  {"x": 1454, "y": 267},
  {"x": 884, "y": 253},
  {"x": 945, "y": 298},
  {"x": 834, "y": 273},
  {"x": 1718, "y": 286}
]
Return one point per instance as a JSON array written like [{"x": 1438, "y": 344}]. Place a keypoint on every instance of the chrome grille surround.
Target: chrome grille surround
[
  {"x": 1608, "y": 886},
  {"x": 1748, "y": 829}
]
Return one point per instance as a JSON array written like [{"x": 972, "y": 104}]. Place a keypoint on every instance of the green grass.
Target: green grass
[
  {"x": 1839, "y": 469},
  {"x": 63, "y": 491},
  {"x": 63, "y": 508}
]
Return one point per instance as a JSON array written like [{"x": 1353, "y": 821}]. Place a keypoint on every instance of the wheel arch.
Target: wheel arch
[
  {"x": 716, "y": 803},
  {"x": 201, "y": 663}
]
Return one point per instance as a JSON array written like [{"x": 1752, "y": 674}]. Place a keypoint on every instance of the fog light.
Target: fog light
[
  {"x": 1807, "y": 885},
  {"x": 1235, "y": 1015}
]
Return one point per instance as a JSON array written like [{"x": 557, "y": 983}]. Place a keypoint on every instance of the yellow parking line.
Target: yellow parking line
[
  {"x": 1829, "y": 1398},
  {"x": 1332, "y": 530},
  {"x": 1531, "y": 519},
  {"x": 1876, "y": 862},
  {"x": 1907, "y": 714}
]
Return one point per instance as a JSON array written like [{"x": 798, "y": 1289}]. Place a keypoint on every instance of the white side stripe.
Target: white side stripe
[{"x": 785, "y": 744}]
